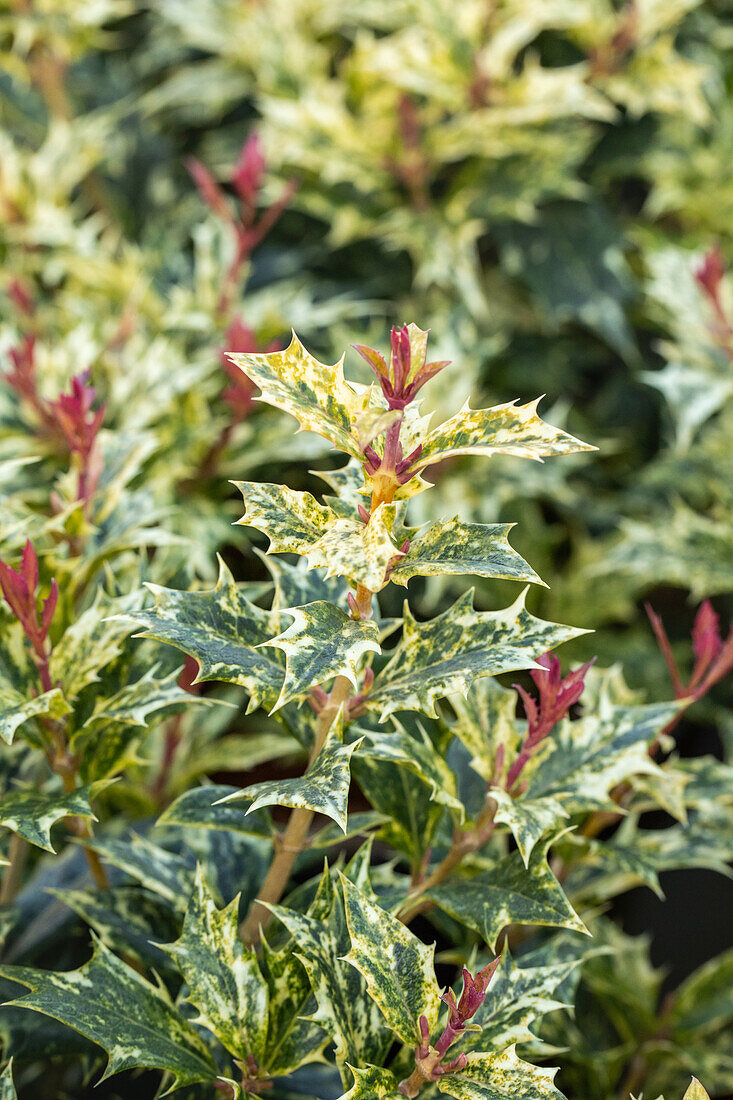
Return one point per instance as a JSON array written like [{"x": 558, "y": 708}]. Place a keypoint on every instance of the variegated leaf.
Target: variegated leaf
[
  {"x": 207, "y": 808},
  {"x": 361, "y": 552},
  {"x": 89, "y": 645},
  {"x": 31, "y": 814},
  {"x": 528, "y": 818},
  {"x": 293, "y": 1040},
  {"x": 163, "y": 872},
  {"x": 7, "y": 1088},
  {"x": 97, "y": 999},
  {"x": 128, "y": 919},
  {"x": 446, "y": 654},
  {"x": 15, "y": 709},
  {"x": 323, "y": 642},
  {"x": 398, "y": 968},
  {"x": 485, "y": 722},
  {"x": 695, "y": 1091},
  {"x": 150, "y": 694},
  {"x": 583, "y": 760},
  {"x": 509, "y": 429},
  {"x": 292, "y": 520},
  {"x": 417, "y": 755},
  {"x": 223, "y": 631},
  {"x": 223, "y": 978},
  {"x": 324, "y": 788},
  {"x": 345, "y": 1010},
  {"x": 450, "y": 546},
  {"x": 501, "y": 1076},
  {"x": 373, "y": 1083},
  {"x": 316, "y": 394},
  {"x": 508, "y": 893}
]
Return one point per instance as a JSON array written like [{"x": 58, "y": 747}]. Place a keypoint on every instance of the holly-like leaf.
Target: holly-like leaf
[
  {"x": 316, "y": 394},
  {"x": 135, "y": 702},
  {"x": 323, "y": 642},
  {"x": 293, "y": 1040},
  {"x": 501, "y": 1076},
  {"x": 509, "y": 429},
  {"x": 450, "y": 546},
  {"x": 133, "y": 1021},
  {"x": 508, "y": 893},
  {"x": 397, "y": 967},
  {"x": 361, "y": 552},
  {"x": 485, "y": 723},
  {"x": 223, "y": 978},
  {"x": 88, "y": 646},
  {"x": 583, "y": 760},
  {"x": 528, "y": 819},
  {"x": 446, "y": 654},
  {"x": 208, "y": 808},
  {"x": 7, "y": 1088},
  {"x": 373, "y": 1083},
  {"x": 419, "y": 756},
  {"x": 163, "y": 872},
  {"x": 695, "y": 1091},
  {"x": 15, "y": 709},
  {"x": 324, "y": 788},
  {"x": 292, "y": 520},
  {"x": 31, "y": 814},
  {"x": 223, "y": 631},
  {"x": 128, "y": 919}
]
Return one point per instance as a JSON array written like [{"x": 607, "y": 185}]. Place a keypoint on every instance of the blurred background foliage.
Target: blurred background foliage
[{"x": 546, "y": 184}]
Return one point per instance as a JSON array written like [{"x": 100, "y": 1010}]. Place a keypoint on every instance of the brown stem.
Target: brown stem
[
  {"x": 13, "y": 873},
  {"x": 293, "y": 840}
]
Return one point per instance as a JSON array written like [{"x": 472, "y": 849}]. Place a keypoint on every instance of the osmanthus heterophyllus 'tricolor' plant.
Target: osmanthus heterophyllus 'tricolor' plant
[{"x": 325, "y": 966}]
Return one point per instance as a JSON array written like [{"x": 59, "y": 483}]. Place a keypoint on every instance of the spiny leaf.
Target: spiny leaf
[
  {"x": 485, "y": 722},
  {"x": 449, "y": 546},
  {"x": 510, "y": 429},
  {"x": 208, "y": 808},
  {"x": 323, "y": 642},
  {"x": 135, "y": 702},
  {"x": 132, "y": 1020},
  {"x": 222, "y": 630},
  {"x": 529, "y": 819},
  {"x": 500, "y": 1077},
  {"x": 695, "y": 1091},
  {"x": 446, "y": 654},
  {"x": 372, "y": 1083},
  {"x": 88, "y": 646},
  {"x": 324, "y": 788},
  {"x": 7, "y": 1088},
  {"x": 397, "y": 967},
  {"x": 223, "y": 978},
  {"x": 292, "y": 520},
  {"x": 418, "y": 755},
  {"x": 361, "y": 552},
  {"x": 316, "y": 394},
  {"x": 15, "y": 709},
  {"x": 292, "y": 1039},
  {"x": 508, "y": 893},
  {"x": 31, "y": 814},
  {"x": 161, "y": 871}
]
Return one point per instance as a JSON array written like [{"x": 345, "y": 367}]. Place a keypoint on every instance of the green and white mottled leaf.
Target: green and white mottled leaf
[
  {"x": 15, "y": 709},
  {"x": 223, "y": 631},
  {"x": 372, "y": 1083},
  {"x": 509, "y": 429},
  {"x": 31, "y": 814},
  {"x": 446, "y": 654},
  {"x": 450, "y": 546},
  {"x": 323, "y": 642},
  {"x": 223, "y": 978},
  {"x": 87, "y": 646},
  {"x": 97, "y": 999},
  {"x": 163, "y": 872},
  {"x": 293, "y": 1040},
  {"x": 324, "y": 788},
  {"x": 135, "y": 702},
  {"x": 485, "y": 721},
  {"x": 7, "y": 1088},
  {"x": 417, "y": 755},
  {"x": 695, "y": 1091},
  {"x": 583, "y": 760},
  {"x": 361, "y": 552},
  {"x": 397, "y": 967},
  {"x": 508, "y": 893},
  {"x": 529, "y": 819},
  {"x": 316, "y": 394},
  {"x": 208, "y": 808},
  {"x": 292, "y": 520},
  {"x": 501, "y": 1076},
  {"x": 127, "y": 919}
]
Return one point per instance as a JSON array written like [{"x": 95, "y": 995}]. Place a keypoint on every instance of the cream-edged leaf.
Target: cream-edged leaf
[
  {"x": 373, "y": 1083},
  {"x": 486, "y": 723},
  {"x": 16, "y": 710},
  {"x": 528, "y": 819},
  {"x": 501, "y": 1076},
  {"x": 450, "y": 546},
  {"x": 31, "y": 814}
]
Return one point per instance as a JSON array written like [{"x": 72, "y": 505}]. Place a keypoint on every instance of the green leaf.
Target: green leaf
[
  {"x": 418, "y": 755},
  {"x": 324, "y": 788},
  {"x": 132, "y": 1020},
  {"x": 127, "y": 919},
  {"x": 7, "y": 1088},
  {"x": 223, "y": 631},
  {"x": 208, "y": 808},
  {"x": 161, "y": 871},
  {"x": 292, "y": 1039},
  {"x": 404, "y": 800},
  {"x": 528, "y": 819},
  {"x": 509, "y": 429},
  {"x": 372, "y": 1083},
  {"x": 397, "y": 967},
  {"x": 15, "y": 709},
  {"x": 135, "y": 702},
  {"x": 446, "y": 654},
  {"x": 508, "y": 893},
  {"x": 449, "y": 546},
  {"x": 223, "y": 978},
  {"x": 31, "y": 814},
  {"x": 501, "y": 1076},
  {"x": 323, "y": 642},
  {"x": 316, "y": 394},
  {"x": 485, "y": 722},
  {"x": 88, "y": 646}
]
